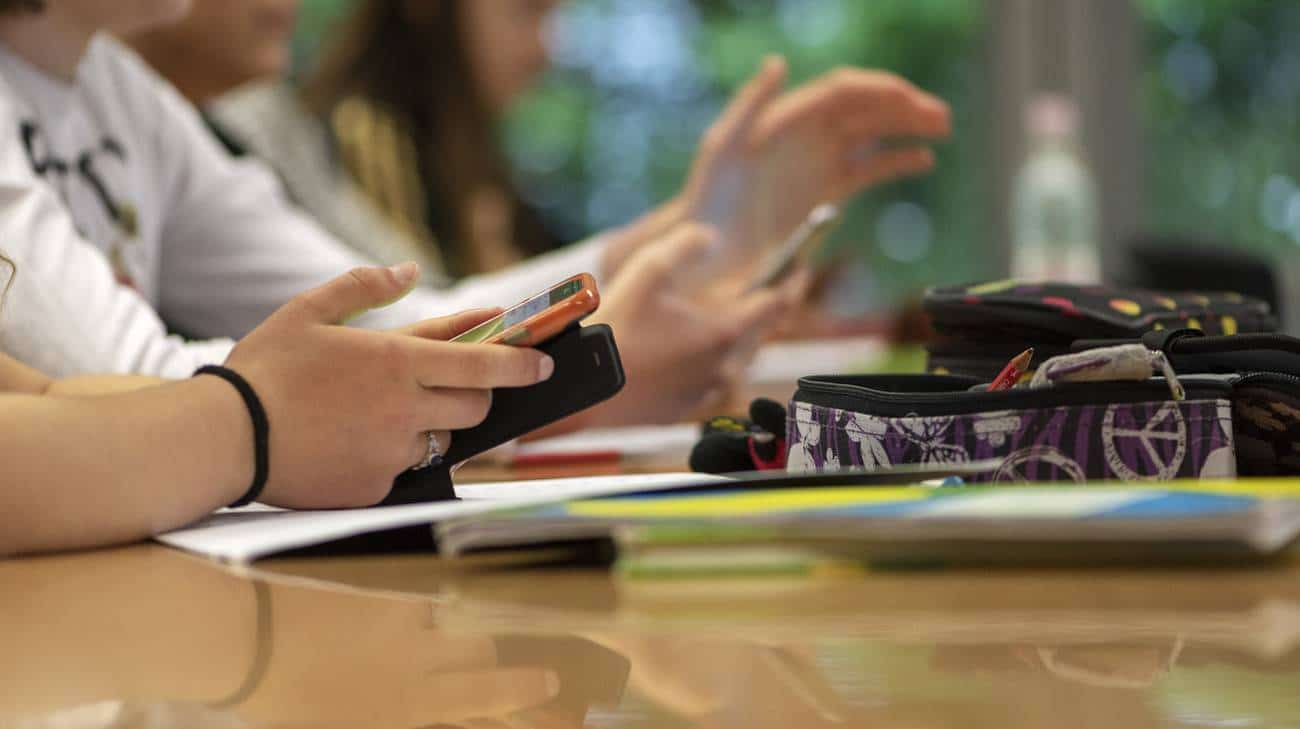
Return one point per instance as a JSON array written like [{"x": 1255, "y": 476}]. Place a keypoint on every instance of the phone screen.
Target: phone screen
[{"x": 522, "y": 312}]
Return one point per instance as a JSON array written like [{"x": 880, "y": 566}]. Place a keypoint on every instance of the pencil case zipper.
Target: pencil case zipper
[
  {"x": 826, "y": 392},
  {"x": 1269, "y": 379},
  {"x": 1190, "y": 351},
  {"x": 1192, "y": 342}
]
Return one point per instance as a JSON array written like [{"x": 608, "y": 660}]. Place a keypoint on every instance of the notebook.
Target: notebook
[
  {"x": 250, "y": 533},
  {"x": 256, "y": 531},
  {"x": 791, "y": 530}
]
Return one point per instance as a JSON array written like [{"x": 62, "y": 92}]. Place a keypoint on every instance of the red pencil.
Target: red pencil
[{"x": 1011, "y": 374}]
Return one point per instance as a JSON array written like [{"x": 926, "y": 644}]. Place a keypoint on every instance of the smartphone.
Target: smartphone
[
  {"x": 538, "y": 319},
  {"x": 588, "y": 371},
  {"x": 799, "y": 247}
]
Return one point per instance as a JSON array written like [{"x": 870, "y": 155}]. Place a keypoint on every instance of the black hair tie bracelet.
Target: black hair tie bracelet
[{"x": 261, "y": 429}]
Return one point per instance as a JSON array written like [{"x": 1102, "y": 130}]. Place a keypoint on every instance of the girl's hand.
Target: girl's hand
[
  {"x": 349, "y": 408},
  {"x": 772, "y": 157},
  {"x": 682, "y": 346}
]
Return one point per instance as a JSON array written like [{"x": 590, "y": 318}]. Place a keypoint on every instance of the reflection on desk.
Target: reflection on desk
[{"x": 145, "y": 637}]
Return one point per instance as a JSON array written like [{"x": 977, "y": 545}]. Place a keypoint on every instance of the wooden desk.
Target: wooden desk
[
  {"x": 413, "y": 642},
  {"x": 147, "y": 637}
]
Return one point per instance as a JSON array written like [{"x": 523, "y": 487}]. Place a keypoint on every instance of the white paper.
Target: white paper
[
  {"x": 243, "y": 535},
  {"x": 782, "y": 362},
  {"x": 634, "y": 441}
]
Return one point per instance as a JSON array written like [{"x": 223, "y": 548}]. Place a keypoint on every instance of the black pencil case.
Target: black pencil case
[{"x": 980, "y": 327}]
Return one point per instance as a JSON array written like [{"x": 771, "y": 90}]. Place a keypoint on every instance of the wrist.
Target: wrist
[
  {"x": 672, "y": 211},
  {"x": 669, "y": 214},
  {"x": 229, "y": 430},
  {"x": 258, "y": 422},
  {"x": 652, "y": 225}
]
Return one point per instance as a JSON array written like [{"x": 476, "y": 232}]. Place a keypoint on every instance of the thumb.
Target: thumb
[{"x": 356, "y": 292}]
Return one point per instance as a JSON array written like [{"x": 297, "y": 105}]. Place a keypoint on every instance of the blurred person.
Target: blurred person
[
  {"x": 220, "y": 46},
  {"x": 121, "y": 209},
  {"x": 403, "y": 108},
  {"x": 455, "y": 192}
]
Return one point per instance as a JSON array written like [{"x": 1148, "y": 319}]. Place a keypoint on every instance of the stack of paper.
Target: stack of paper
[
  {"x": 760, "y": 529},
  {"x": 693, "y": 523},
  {"x": 242, "y": 535},
  {"x": 247, "y": 534}
]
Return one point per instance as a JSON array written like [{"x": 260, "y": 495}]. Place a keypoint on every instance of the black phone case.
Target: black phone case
[{"x": 588, "y": 371}]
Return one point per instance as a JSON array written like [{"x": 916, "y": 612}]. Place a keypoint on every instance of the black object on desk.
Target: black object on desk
[
  {"x": 588, "y": 371},
  {"x": 1186, "y": 263}
]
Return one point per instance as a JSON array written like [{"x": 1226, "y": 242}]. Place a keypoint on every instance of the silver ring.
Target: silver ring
[{"x": 432, "y": 456}]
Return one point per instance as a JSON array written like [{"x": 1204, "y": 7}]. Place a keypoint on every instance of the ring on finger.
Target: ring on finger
[{"x": 433, "y": 453}]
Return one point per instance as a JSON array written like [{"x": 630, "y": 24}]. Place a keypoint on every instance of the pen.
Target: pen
[{"x": 1012, "y": 373}]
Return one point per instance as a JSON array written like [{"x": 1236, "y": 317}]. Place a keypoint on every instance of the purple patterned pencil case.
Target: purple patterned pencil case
[{"x": 1131, "y": 431}]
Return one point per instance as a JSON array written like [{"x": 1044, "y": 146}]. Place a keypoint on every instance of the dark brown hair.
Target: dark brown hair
[
  {"x": 13, "y": 6},
  {"x": 409, "y": 59}
]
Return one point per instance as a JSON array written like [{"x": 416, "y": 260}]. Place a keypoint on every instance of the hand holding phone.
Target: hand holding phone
[
  {"x": 587, "y": 371},
  {"x": 541, "y": 317},
  {"x": 798, "y": 248}
]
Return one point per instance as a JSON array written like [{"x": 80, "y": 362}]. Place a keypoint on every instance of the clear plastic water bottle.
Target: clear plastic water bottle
[{"x": 1054, "y": 209}]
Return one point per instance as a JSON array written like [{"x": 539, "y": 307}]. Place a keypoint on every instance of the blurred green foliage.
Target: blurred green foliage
[{"x": 1219, "y": 95}]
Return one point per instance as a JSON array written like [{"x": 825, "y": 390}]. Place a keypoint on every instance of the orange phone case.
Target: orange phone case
[{"x": 542, "y": 326}]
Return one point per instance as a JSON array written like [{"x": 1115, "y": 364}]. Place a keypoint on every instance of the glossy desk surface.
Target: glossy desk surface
[
  {"x": 148, "y": 637},
  {"x": 145, "y": 637}
]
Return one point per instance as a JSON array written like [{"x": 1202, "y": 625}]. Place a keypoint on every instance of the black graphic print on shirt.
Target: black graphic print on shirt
[{"x": 85, "y": 171}]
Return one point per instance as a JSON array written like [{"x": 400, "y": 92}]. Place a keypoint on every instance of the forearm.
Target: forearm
[
  {"x": 84, "y": 472},
  {"x": 17, "y": 378},
  {"x": 91, "y": 385},
  {"x": 627, "y": 240}
]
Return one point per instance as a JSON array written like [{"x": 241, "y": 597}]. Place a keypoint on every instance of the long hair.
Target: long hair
[{"x": 417, "y": 71}]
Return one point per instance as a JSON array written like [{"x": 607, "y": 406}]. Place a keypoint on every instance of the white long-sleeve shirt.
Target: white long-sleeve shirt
[{"x": 120, "y": 210}]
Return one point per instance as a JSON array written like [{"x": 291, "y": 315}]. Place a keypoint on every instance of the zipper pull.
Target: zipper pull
[{"x": 1121, "y": 363}]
